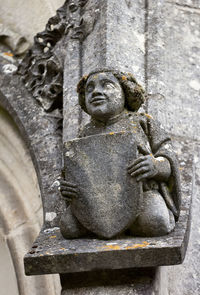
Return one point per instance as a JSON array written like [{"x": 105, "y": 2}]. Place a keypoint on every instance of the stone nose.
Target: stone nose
[{"x": 98, "y": 90}]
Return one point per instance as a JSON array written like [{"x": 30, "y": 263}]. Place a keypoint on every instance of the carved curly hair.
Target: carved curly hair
[{"x": 134, "y": 93}]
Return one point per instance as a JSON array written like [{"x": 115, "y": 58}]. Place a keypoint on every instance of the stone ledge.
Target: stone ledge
[{"x": 53, "y": 254}]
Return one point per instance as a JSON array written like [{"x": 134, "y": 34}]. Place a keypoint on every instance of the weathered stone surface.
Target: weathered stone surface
[
  {"x": 108, "y": 205},
  {"x": 71, "y": 75},
  {"x": 121, "y": 282},
  {"x": 103, "y": 47},
  {"x": 187, "y": 4},
  {"x": 190, "y": 269},
  {"x": 115, "y": 40},
  {"x": 20, "y": 213},
  {"x": 18, "y": 44},
  {"x": 108, "y": 199},
  {"x": 27, "y": 17},
  {"x": 173, "y": 83},
  {"x": 174, "y": 79},
  {"x": 40, "y": 132},
  {"x": 51, "y": 253}
]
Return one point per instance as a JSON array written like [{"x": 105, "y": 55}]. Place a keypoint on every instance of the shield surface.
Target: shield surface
[{"x": 108, "y": 198}]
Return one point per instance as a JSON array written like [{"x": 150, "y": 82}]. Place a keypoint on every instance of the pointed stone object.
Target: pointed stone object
[{"x": 108, "y": 198}]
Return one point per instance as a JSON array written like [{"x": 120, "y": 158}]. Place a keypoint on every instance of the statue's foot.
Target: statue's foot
[
  {"x": 155, "y": 218},
  {"x": 70, "y": 227}
]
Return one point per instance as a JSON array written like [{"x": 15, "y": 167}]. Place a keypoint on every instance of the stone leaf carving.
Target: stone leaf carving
[
  {"x": 41, "y": 70},
  {"x": 42, "y": 67}
]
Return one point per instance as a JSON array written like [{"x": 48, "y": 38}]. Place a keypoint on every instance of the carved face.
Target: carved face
[{"x": 104, "y": 97}]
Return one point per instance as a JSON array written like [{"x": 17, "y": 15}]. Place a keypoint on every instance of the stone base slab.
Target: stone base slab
[{"x": 51, "y": 253}]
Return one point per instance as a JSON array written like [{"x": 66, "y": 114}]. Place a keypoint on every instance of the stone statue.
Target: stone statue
[{"x": 122, "y": 175}]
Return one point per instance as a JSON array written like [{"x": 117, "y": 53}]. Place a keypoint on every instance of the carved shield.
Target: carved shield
[{"x": 108, "y": 198}]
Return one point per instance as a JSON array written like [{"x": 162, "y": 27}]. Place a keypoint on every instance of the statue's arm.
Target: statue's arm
[
  {"x": 152, "y": 164},
  {"x": 164, "y": 161}
]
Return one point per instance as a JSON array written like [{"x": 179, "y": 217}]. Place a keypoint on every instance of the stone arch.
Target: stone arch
[
  {"x": 43, "y": 138},
  {"x": 20, "y": 212}
]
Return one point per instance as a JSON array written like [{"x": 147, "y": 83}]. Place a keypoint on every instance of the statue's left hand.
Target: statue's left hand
[
  {"x": 68, "y": 190},
  {"x": 144, "y": 167}
]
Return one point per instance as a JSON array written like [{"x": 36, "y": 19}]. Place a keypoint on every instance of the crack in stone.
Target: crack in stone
[
  {"x": 186, "y": 7},
  {"x": 185, "y": 138},
  {"x": 146, "y": 49}
]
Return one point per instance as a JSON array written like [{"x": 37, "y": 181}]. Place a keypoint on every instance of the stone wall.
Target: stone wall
[
  {"x": 172, "y": 79},
  {"x": 27, "y": 17},
  {"x": 173, "y": 83}
]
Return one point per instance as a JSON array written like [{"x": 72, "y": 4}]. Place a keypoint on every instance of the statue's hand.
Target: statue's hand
[
  {"x": 150, "y": 167},
  {"x": 68, "y": 190},
  {"x": 144, "y": 167}
]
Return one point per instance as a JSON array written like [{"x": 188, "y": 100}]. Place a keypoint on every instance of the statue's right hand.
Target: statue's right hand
[{"x": 68, "y": 190}]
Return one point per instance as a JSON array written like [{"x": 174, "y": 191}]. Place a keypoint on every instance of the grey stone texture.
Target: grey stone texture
[
  {"x": 20, "y": 213},
  {"x": 131, "y": 281},
  {"x": 108, "y": 198},
  {"x": 116, "y": 41},
  {"x": 101, "y": 47},
  {"x": 103, "y": 170},
  {"x": 51, "y": 253},
  {"x": 173, "y": 82},
  {"x": 21, "y": 205},
  {"x": 40, "y": 132},
  {"x": 170, "y": 65},
  {"x": 27, "y": 17},
  {"x": 71, "y": 75},
  {"x": 173, "y": 40},
  {"x": 18, "y": 44}
]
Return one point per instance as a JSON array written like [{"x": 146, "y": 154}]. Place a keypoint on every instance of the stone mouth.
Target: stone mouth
[{"x": 97, "y": 99}]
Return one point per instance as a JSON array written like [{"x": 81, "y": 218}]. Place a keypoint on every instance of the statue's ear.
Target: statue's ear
[
  {"x": 81, "y": 92},
  {"x": 135, "y": 96}
]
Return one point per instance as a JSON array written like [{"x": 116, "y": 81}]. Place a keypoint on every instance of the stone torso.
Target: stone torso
[{"x": 125, "y": 122}]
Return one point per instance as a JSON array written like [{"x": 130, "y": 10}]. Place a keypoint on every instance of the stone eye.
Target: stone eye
[
  {"x": 73, "y": 7},
  {"x": 108, "y": 84},
  {"x": 90, "y": 88}
]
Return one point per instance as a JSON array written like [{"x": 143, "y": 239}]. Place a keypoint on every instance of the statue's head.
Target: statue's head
[{"x": 106, "y": 93}]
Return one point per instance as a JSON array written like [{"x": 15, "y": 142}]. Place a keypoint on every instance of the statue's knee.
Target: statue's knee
[
  {"x": 155, "y": 218},
  {"x": 70, "y": 227},
  {"x": 155, "y": 224}
]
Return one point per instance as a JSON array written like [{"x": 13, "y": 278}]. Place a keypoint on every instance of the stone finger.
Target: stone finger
[
  {"x": 143, "y": 176},
  {"x": 134, "y": 168},
  {"x": 66, "y": 183},
  {"x": 69, "y": 194},
  {"x": 138, "y": 160},
  {"x": 67, "y": 188},
  {"x": 140, "y": 171}
]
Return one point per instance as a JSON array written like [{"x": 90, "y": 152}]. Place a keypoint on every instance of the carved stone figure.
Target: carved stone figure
[{"x": 122, "y": 175}]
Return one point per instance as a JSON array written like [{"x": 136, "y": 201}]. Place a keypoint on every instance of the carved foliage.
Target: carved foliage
[{"x": 42, "y": 67}]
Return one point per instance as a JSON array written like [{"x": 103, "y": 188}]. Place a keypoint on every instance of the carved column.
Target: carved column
[
  {"x": 72, "y": 73},
  {"x": 107, "y": 33}
]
